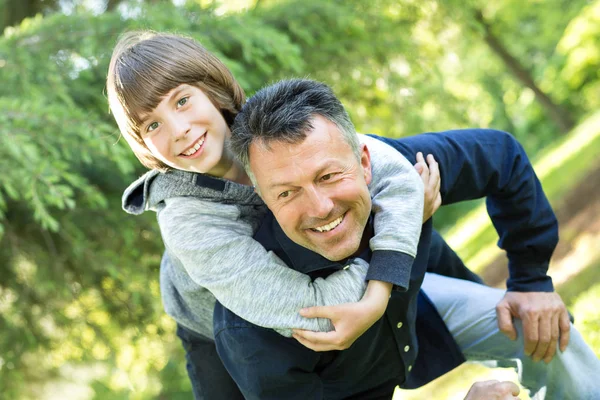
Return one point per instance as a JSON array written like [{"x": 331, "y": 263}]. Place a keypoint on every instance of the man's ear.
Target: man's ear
[{"x": 365, "y": 162}]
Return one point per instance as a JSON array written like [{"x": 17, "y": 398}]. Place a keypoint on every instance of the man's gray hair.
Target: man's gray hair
[{"x": 283, "y": 112}]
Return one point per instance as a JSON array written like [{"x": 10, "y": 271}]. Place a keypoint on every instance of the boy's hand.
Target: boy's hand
[
  {"x": 431, "y": 183},
  {"x": 493, "y": 390},
  {"x": 350, "y": 320}
]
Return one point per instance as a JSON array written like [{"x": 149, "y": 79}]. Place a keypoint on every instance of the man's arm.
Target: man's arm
[{"x": 478, "y": 162}]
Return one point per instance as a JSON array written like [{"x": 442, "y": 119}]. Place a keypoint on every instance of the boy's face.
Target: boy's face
[
  {"x": 186, "y": 131},
  {"x": 316, "y": 189}
]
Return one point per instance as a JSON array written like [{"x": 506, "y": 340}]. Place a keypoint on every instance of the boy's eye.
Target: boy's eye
[
  {"x": 182, "y": 101},
  {"x": 152, "y": 127}
]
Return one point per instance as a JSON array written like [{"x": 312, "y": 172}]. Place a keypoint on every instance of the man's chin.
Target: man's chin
[{"x": 335, "y": 254}]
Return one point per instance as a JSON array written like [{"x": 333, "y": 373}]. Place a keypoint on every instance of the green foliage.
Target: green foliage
[
  {"x": 80, "y": 278},
  {"x": 587, "y": 316}
]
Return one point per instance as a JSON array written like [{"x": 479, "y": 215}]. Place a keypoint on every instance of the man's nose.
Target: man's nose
[{"x": 318, "y": 204}]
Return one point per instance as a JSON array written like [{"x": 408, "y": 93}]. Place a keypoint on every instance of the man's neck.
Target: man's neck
[{"x": 366, "y": 237}]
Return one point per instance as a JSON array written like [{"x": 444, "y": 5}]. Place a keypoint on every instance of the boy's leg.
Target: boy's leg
[
  {"x": 207, "y": 374},
  {"x": 468, "y": 309}
]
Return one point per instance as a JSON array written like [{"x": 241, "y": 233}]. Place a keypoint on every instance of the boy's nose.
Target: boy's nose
[{"x": 180, "y": 129}]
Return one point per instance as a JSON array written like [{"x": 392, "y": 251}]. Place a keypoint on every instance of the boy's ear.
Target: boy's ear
[{"x": 365, "y": 163}]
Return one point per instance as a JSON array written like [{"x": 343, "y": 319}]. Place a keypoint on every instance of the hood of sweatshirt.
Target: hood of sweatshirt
[{"x": 154, "y": 187}]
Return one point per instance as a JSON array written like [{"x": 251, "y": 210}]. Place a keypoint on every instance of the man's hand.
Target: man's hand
[
  {"x": 493, "y": 390},
  {"x": 350, "y": 320},
  {"x": 431, "y": 183},
  {"x": 545, "y": 321}
]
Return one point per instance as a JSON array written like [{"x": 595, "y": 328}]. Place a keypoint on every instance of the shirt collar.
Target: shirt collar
[{"x": 303, "y": 259}]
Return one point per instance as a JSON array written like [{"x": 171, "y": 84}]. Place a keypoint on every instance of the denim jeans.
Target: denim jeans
[
  {"x": 468, "y": 309},
  {"x": 210, "y": 380}
]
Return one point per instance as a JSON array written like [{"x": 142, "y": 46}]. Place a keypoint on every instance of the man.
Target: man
[{"x": 287, "y": 139}]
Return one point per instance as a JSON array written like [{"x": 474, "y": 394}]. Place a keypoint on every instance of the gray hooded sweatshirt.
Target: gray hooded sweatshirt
[{"x": 207, "y": 226}]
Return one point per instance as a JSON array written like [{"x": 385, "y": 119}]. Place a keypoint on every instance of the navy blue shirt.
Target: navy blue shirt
[{"x": 410, "y": 345}]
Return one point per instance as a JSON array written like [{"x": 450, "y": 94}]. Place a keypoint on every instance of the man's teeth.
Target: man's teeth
[
  {"x": 194, "y": 149},
  {"x": 329, "y": 226}
]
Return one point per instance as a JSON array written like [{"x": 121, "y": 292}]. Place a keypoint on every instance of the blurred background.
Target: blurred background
[{"x": 80, "y": 312}]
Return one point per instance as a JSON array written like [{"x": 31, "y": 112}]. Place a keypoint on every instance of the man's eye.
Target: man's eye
[
  {"x": 283, "y": 195},
  {"x": 327, "y": 177},
  {"x": 182, "y": 101},
  {"x": 152, "y": 127}
]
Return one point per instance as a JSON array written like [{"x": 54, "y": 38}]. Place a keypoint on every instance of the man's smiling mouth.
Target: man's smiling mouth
[{"x": 333, "y": 224}]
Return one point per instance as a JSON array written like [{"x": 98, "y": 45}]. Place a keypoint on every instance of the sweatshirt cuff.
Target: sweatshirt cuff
[
  {"x": 529, "y": 278},
  {"x": 391, "y": 266}
]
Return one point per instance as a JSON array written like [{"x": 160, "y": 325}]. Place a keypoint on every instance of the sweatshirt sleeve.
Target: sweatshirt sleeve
[
  {"x": 397, "y": 192},
  {"x": 218, "y": 252}
]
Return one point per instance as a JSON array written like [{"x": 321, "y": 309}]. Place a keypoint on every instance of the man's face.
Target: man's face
[{"x": 317, "y": 189}]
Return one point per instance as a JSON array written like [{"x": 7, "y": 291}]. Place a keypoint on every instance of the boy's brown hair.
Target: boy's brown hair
[{"x": 145, "y": 66}]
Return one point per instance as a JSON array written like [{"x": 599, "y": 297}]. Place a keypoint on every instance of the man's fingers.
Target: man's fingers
[
  {"x": 318, "y": 312},
  {"x": 565, "y": 329},
  {"x": 530, "y": 332},
  {"x": 544, "y": 337},
  {"x": 505, "y": 322},
  {"x": 554, "y": 330},
  {"x": 419, "y": 168}
]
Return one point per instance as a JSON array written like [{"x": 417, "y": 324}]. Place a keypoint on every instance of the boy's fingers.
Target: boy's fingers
[
  {"x": 318, "y": 312},
  {"x": 420, "y": 158}
]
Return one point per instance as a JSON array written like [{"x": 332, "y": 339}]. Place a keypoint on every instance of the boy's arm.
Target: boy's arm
[
  {"x": 397, "y": 193},
  {"x": 222, "y": 257}
]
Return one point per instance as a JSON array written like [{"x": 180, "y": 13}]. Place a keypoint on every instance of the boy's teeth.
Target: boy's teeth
[
  {"x": 195, "y": 148},
  {"x": 329, "y": 226}
]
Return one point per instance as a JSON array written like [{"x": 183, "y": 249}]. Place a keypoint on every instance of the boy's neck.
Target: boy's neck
[{"x": 237, "y": 173}]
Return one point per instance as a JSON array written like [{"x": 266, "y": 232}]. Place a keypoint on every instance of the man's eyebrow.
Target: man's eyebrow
[{"x": 318, "y": 172}]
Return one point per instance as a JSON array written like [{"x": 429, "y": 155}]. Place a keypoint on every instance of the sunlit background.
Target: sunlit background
[{"x": 80, "y": 312}]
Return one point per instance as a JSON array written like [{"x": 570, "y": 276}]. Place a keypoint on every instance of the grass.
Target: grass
[{"x": 559, "y": 167}]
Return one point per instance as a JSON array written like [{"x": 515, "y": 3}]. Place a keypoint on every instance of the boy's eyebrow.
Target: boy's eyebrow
[{"x": 144, "y": 116}]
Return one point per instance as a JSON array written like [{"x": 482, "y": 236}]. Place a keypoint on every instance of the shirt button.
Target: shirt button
[
  {"x": 346, "y": 267},
  {"x": 406, "y": 348},
  {"x": 399, "y": 325},
  {"x": 409, "y": 368}
]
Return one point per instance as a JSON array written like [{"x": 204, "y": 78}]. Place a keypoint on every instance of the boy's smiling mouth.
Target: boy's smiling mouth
[{"x": 194, "y": 148}]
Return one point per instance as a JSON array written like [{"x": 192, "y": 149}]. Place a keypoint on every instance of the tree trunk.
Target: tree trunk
[
  {"x": 16, "y": 11},
  {"x": 112, "y": 4},
  {"x": 558, "y": 114}
]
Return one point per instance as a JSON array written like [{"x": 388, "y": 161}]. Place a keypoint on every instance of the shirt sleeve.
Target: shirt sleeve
[
  {"x": 397, "y": 192},
  {"x": 477, "y": 163},
  {"x": 218, "y": 253}
]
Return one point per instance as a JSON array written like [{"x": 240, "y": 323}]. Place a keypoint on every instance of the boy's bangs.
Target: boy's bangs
[{"x": 140, "y": 90}]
